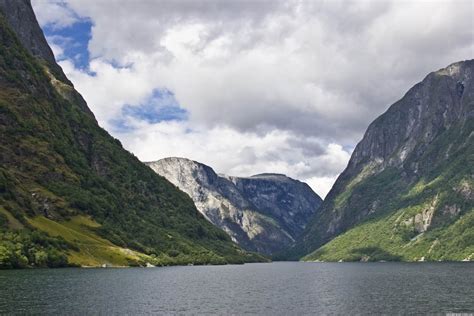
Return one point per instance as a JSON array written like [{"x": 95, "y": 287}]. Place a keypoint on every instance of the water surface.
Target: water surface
[{"x": 265, "y": 289}]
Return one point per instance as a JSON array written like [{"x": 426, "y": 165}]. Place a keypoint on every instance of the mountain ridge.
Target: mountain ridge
[
  {"x": 255, "y": 211},
  {"x": 415, "y": 161}
]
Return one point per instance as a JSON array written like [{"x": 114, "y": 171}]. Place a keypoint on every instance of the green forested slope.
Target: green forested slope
[
  {"x": 60, "y": 172},
  {"x": 431, "y": 218},
  {"x": 407, "y": 193}
]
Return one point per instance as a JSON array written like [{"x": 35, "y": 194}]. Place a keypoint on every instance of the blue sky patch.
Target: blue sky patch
[
  {"x": 73, "y": 40},
  {"x": 161, "y": 106}
]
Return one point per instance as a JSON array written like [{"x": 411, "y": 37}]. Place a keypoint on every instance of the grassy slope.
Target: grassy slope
[
  {"x": 58, "y": 163},
  {"x": 385, "y": 239},
  {"x": 390, "y": 234},
  {"x": 10, "y": 221},
  {"x": 93, "y": 250}
]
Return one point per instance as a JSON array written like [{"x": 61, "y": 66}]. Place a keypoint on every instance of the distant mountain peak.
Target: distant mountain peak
[
  {"x": 269, "y": 175},
  {"x": 263, "y": 213}
]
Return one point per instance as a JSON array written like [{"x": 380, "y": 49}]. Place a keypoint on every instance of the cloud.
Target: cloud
[
  {"x": 58, "y": 50},
  {"x": 277, "y": 86},
  {"x": 107, "y": 89},
  {"x": 54, "y": 13},
  {"x": 237, "y": 153},
  {"x": 161, "y": 106},
  {"x": 314, "y": 67}
]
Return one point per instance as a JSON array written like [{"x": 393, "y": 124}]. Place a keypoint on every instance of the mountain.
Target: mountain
[
  {"x": 69, "y": 192},
  {"x": 263, "y": 213},
  {"x": 407, "y": 192}
]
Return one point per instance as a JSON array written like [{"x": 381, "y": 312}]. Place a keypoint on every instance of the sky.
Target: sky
[{"x": 251, "y": 86}]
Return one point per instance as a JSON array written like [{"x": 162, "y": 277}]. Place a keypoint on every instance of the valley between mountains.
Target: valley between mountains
[{"x": 71, "y": 195}]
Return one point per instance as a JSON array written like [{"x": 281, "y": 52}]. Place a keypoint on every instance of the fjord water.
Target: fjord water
[{"x": 269, "y": 288}]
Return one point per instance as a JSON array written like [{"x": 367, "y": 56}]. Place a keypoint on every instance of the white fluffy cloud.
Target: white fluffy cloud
[
  {"x": 55, "y": 13},
  {"x": 269, "y": 86},
  {"x": 239, "y": 153}
]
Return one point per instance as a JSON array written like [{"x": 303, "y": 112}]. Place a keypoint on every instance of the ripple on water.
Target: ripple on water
[{"x": 267, "y": 288}]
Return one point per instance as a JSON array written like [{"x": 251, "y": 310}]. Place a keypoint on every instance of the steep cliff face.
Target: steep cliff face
[
  {"x": 69, "y": 192},
  {"x": 263, "y": 213},
  {"x": 22, "y": 20},
  {"x": 292, "y": 202},
  {"x": 407, "y": 190}
]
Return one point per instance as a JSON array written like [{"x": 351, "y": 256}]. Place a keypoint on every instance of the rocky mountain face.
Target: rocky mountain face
[
  {"x": 22, "y": 20},
  {"x": 407, "y": 192},
  {"x": 69, "y": 192},
  {"x": 263, "y": 213}
]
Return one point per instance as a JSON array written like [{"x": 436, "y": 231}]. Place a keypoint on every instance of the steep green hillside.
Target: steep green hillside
[
  {"x": 58, "y": 165},
  {"x": 431, "y": 219},
  {"x": 407, "y": 193}
]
